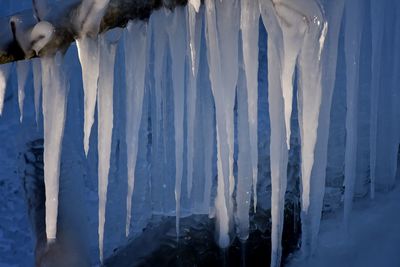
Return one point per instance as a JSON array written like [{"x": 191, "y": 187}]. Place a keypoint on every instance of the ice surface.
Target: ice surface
[
  {"x": 40, "y": 35},
  {"x": 222, "y": 39},
  {"x": 194, "y": 21},
  {"x": 353, "y": 29},
  {"x": 278, "y": 145},
  {"x": 135, "y": 42},
  {"x": 105, "y": 114},
  {"x": 4, "y": 71},
  {"x": 177, "y": 40},
  {"x": 89, "y": 16},
  {"x": 249, "y": 25},
  {"x": 195, "y": 4},
  {"x": 88, "y": 51},
  {"x": 377, "y": 29},
  {"x": 22, "y": 73},
  {"x": 55, "y": 90},
  {"x": 37, "y": 85}
]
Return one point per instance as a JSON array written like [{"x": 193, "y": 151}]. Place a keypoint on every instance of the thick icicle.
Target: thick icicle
[
  {"x": 244, "y": 163},
  {"x": 55, "y": 91},
  {"x": 37, "y": 85},
  {"x": 4, "y": 72},
  {"x": 135, "y": 42},
  {"x": 105, "y": 114},
  {"x": 22, "y": 73},
  {"x": 334, "y": 12},
  {"x": 249, "y": 24},
  {"x": 222, "y": 38},
  {"x": 88, "y": 52},
  {"x": 177, "y": 40},
  {"x": 353, "y": 29},
  {"x": 377, "y": 29},
  {"x": 278, "y": 146},
  {"x": 195, "y": 4},
  {"x": 194, "y": 30}
]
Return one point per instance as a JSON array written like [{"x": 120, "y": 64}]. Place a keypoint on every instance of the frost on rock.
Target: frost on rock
[
  {"x": 135, "y": 42},
  {"x": 105, "y": 113},
  {"x": 88, "y": 52},
  {"x": 249, "y": 25},
  {"x": 22, "y": 73},
  {"x": 353, "y": 29},
  {"x": 278, "y": 145},
  {"x": 194, "y": 22},
  {"x": 177, "y": 44},
  {"x": 222, "y": 29},
  {"x": 37, "y": 85},
  {"x": 55, "y": 90},
  {"x": 4, "y": 72}
]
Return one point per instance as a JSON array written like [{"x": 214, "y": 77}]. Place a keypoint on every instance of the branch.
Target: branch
[{"x": 17, "y": 43}]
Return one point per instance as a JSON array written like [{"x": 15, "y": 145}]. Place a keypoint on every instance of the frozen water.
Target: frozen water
[
  {"x": 22, "y": 72},
  {"x": 4, "y": 72}
]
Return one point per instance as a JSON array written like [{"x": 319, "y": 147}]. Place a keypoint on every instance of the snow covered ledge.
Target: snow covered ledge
[{"x": 46, "y": 30}]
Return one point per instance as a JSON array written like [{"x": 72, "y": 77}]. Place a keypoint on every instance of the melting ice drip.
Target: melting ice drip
[{"x": 217, "y": 42}]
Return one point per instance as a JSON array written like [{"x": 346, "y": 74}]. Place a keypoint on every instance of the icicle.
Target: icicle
[
  {"x": 195, "y": 27},
  {"x": 89, "y": 16},
  {"x": 244, "y": 163},
  {"x": 22, "y": 73},
  {"x": 278, "y": 145},
  {"x": 195, "y": 4},
  {"x": 135, "y": 43},
  {"x": 353, "y": 30},
  {"x": 54, "y": 112},
  {"x": 222, "y": 30},
  {"x": 4, "y": 71},
  {"x": 177, "y": 40},
  {"x": 88, "y": 52},
  {"x": 249, "y": 21},
  {"x": 334, "y": 12},
  {"x": 377, "y": 29},
  {"x": 37, "y": 85},
  {"x": 105, "y": 113}
]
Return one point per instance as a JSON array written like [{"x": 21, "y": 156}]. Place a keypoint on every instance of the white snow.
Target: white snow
[
  {"x": 4, "y": 72},
  {"x": 88, "y": 51},
  {"x": 22, "y": 73},
  {"x": 55, "y": 90},
  {"x": 105, "y": 114},
  {"x": 135, "y": 42}
]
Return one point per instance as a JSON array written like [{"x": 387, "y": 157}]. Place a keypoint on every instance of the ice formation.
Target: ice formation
[
  {"x": 192, "y": 83},
  {"x": 105, "y": 115},
  {"x": 135, "y": 42},
  {"x": 4, "y": 72},
  {"x": 22, "y": 72},
  {"x": 55, "y": 90},
  {"x": 353, "y": 29},
  {"x": 88, "y": 51},
  {"x": 37, "y": 85}
]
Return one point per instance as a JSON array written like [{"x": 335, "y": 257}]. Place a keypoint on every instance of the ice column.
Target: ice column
[
  {"x": 249, "y": 24},
  {"x": 22, "y": 73},
  {"x": 37, "y": 85},
  {"x": 194, "y": 22},
  {"x": 4, "y": 71},
  {"x": 135, "y": 42},
  {"x": 278, "y": 145},
  {"x": 377, "y": 29},
  {"x": 105, "y": 114},
  {"x": 222, "y": 29},
  {"x": 353, "y": 29},
  {"x": 55, "y": 91}
]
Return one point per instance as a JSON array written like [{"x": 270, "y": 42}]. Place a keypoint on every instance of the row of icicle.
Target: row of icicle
[{"x": 302, "y": 35}]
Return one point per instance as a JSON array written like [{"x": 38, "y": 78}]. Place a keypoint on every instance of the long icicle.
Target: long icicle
[
  {"x": 135, "y": 43},
  {"x": 105, "y": 114},
  {"x": 4, "y": 72},
  {"x": 55, "y": 90},
  {"x": 278, "y": 145},
  {"x": 22, "y": 73}
]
